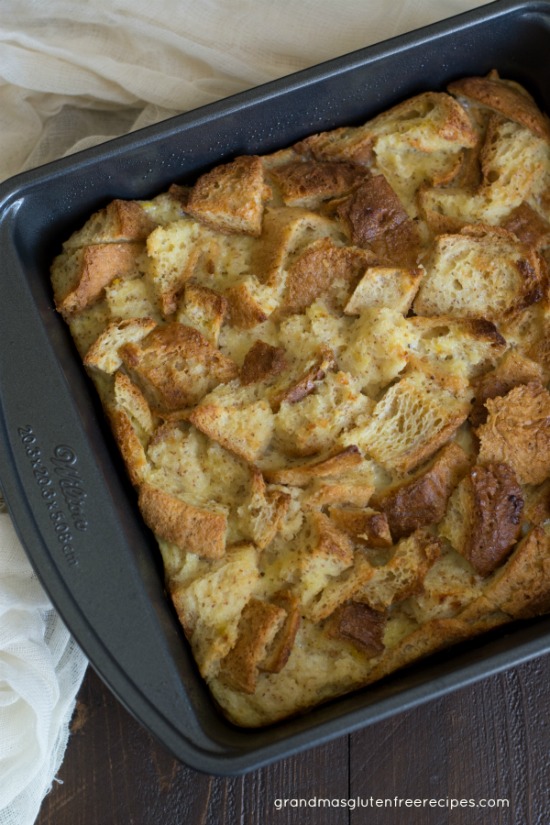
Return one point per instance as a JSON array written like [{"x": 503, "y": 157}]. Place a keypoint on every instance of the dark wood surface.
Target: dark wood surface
[{"x": 487, "y": 741}]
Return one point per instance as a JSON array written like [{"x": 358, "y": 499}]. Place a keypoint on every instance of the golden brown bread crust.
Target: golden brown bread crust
[
  {"x": 308, "y": 182},
  {"x": 191, "y": 528},
  {"x": 423, "y": 500},
  {"x": 262, "y": 361},
  {"x": 504, "y": 98},
  {"x": 327, "y": 373},
  {"x": 95, "y": 268},
  {"x": 375, "y": 217},
  {"x": 517, "y": 432},
  {"x": 176, "y": 365},
  {"x": 495, "y": 523},
  {"x": 359, "y": 624},
  {"x": 231, "y": 197}
]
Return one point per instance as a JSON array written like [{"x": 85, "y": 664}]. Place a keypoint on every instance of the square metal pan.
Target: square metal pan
[{"x": 64, "y": 483}]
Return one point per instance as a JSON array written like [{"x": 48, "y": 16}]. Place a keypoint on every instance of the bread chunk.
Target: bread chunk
[
  {"x": 308, "y": 183},
  {"x": 517, "y": 432},
  {"x": 231, "y": 197},
  {"x": 411, "y": 421},
  {"x": 513, "y": 370},
  {"x": 427, "y": 122},
  {"x": 191, "y": 528},
  {"x": 262, "y": 361},
  {"x": 203, "y": 308},
  {"x": 454, "y": 350},
  {"x": 216, "y": 600},
  {"x": 104, "y": 355},
  {"x": 80, "y": 275},
  {"x": 118, "y": 222},
  {"x": 324, "y": 268},
  {"x": 326, "y": 552},
  {"x": 385, "y": 286},
  {"x": 484, "y": 518},
  {"x": 423, "y": 500},
  {"x": 237, "y": 419},
  {"x": 522, "y": 587},
  {"x": 174, "y": 252},
  {"x": 486, "y": 273},
  {"x": 176, "y": 366},
  {"x": 375, "y": 218},
  {"x": 365, "y": 525},
  {"x": 501, "y": 96},
  {"x": 527, "y": 225},
  {"x": 403, "y": 574},
  {"x": 301, "y": 474},
  {"x": 259, "y": 624},
  {"x": 360, "y": 625}
]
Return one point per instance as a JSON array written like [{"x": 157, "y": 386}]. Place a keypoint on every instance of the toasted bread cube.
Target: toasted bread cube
[
  {"x": 262, "y": 511},
  {"x": 187, "y": 463},
  {"x": 203, "y": 308},
  {"x": 118, "y": 222},
  {"x": 279, "y": 650},
  {"x": 259, "y": 624},
  {"x": 312, "y": 424},
  {"x": 299, "y": 475},
  {"x": 449, "y": 586},
  {"x": 251, "y": 302},
  {"x": 210, "y": 606},
  {"x": 521, "y": 587},
  {"x": 404, "y": 573},
  {"x": 513, "y": 369},
  {"x": 528, "y": 226},
  {"x": 79, "y": 276},
  {"x": 504, "y": 97},
  {"x": 310, "y": 182},
  {"x": 286, "y": 232},
  {"x": 483, "y": 521},
  {"x": 103, "y": 354},
  {"x": 130, "y": 298},
  {"x": 378, "y": 348},
  {"x": 428, "y": 122},
  {"x": 176, "y": 366},
  {"x": 236, "y": 418},
  {"x": 193, "y": 529},
  {"x": 517, "y": 432},
  {"x": 455, "y": 350},
  {"x": 411, "y": 421},
  {"x": 128, "y": 396},
  {"x": 340, "y": 589},
  {"x": 231, "y": 197},
  {"x": 480, "y": 273},
  {"x": 326, "y": 552},
  {"x": 130, "y": 445},
  {"x": 132, "y": 424},
  {"x": 174, "y": 251},
  {"x": 385, "y": 286},
  {"x": 423, "y": 499},
  {"x": 375, "y": 217},
  {"x": 359, "y": 624},
  {"x": 324, "y": 268},
  {"x": 262, "y": 362},
  {"x": 364, "y": 525}
]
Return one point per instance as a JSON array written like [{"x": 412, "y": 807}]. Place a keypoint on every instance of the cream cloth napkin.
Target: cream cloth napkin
[{"x": 73, "y": 74}]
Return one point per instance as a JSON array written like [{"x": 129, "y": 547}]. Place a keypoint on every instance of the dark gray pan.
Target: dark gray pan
[{"x": 66, "y": 489}]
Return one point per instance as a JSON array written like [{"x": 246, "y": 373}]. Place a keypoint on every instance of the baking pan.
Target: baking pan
[{"x": 62, "y": 478}]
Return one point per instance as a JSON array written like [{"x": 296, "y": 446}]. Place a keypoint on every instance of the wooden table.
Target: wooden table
[{"x": 487, "y": 741}]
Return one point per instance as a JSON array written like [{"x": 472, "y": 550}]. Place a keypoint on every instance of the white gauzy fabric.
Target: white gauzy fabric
[
  {"x": 41, "y": 670},
  {"x": 72, "y": 75}
]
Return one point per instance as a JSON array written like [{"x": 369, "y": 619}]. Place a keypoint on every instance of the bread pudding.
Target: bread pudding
[{"x": 327, "y": 372}]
